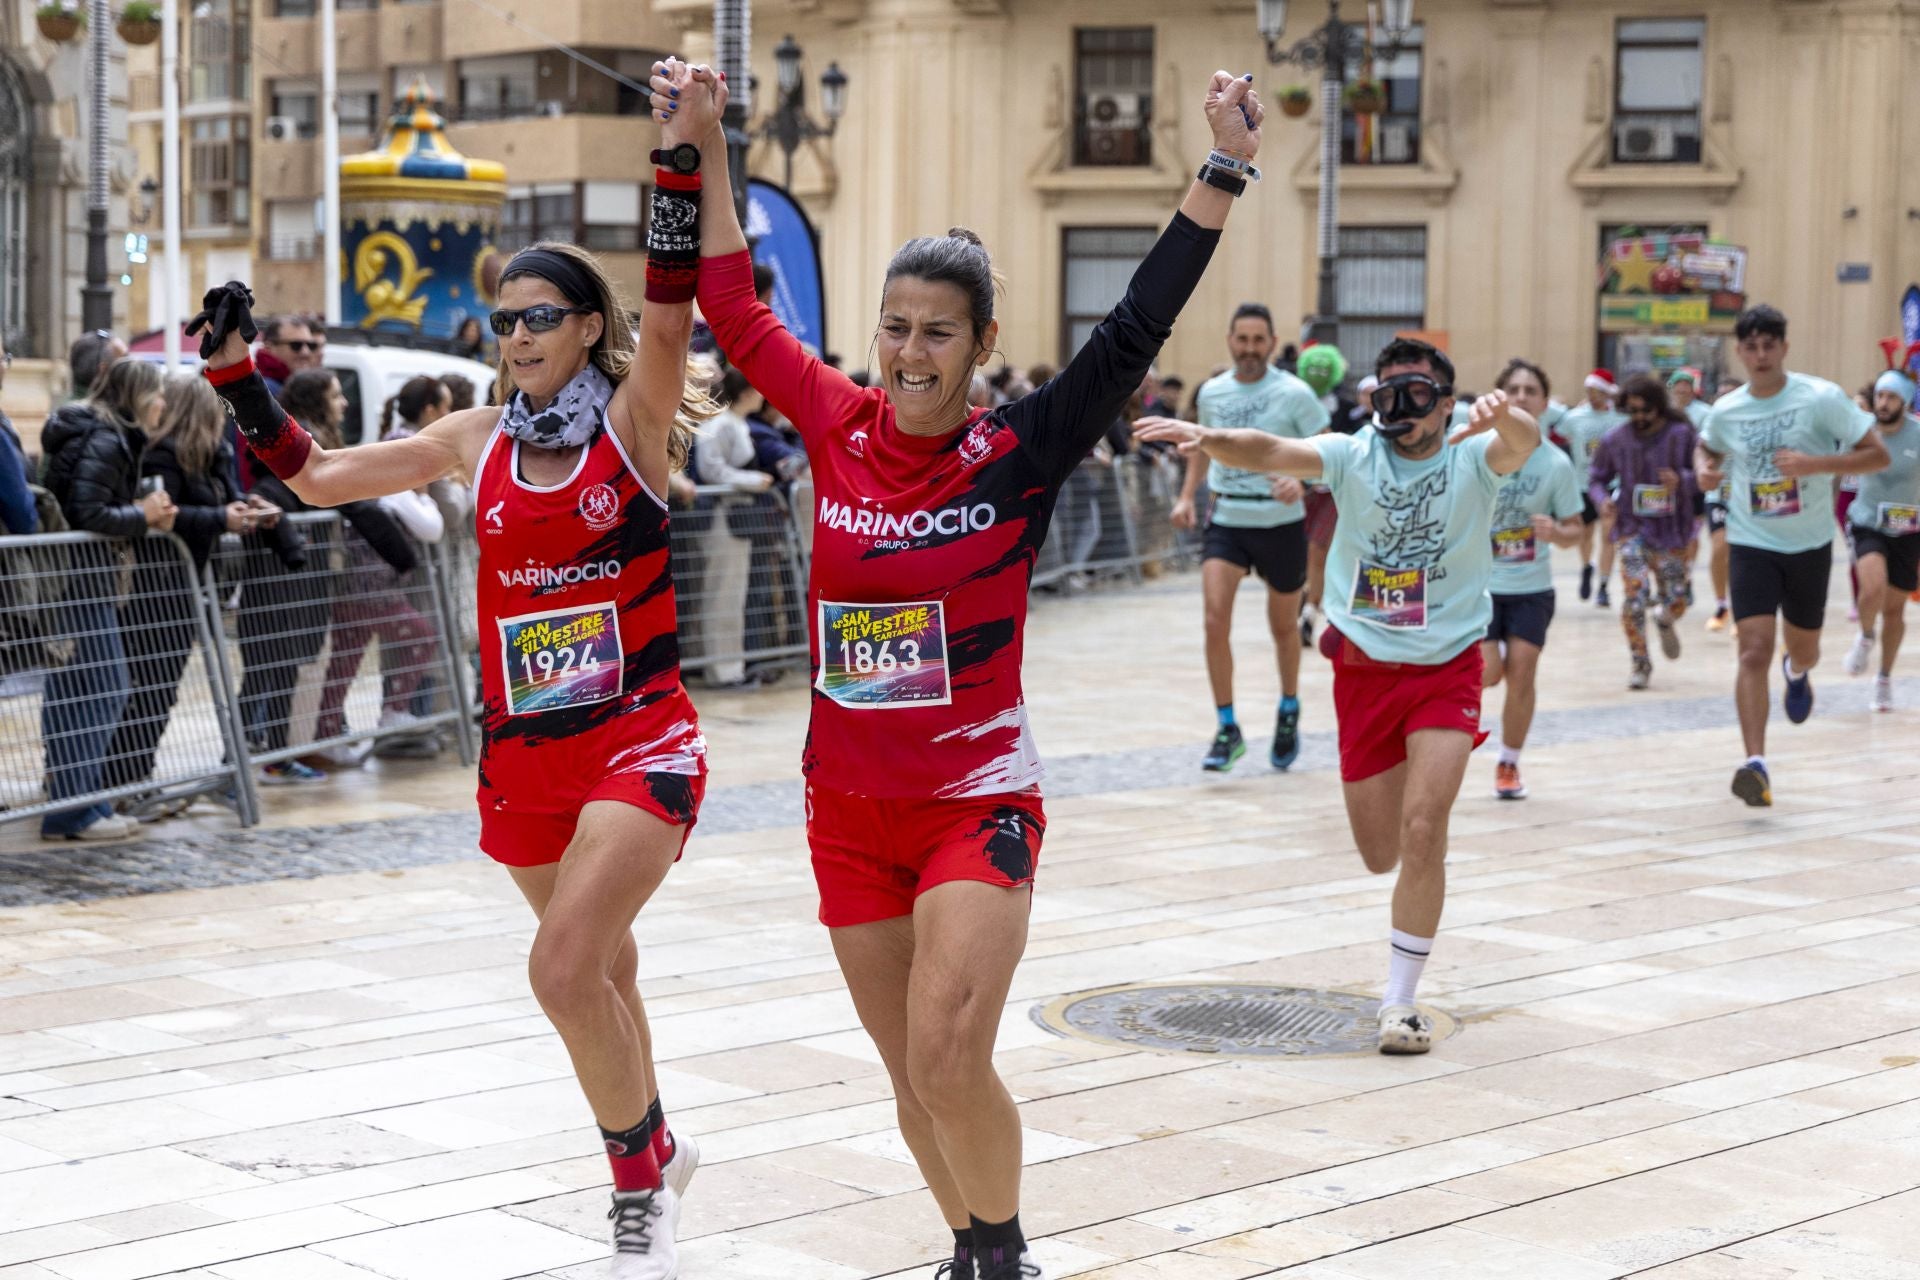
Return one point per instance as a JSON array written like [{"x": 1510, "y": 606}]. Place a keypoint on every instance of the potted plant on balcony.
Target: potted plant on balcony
[
  {"x": 139, "y": 22},
  {"x": 1366, "y": 97},
  {"x": 60, "y": 22},
  {"x": 1296, "y": 100}
]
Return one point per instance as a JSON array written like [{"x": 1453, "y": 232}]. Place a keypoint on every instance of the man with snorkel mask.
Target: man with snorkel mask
[{"x": 1407, "y": 606}]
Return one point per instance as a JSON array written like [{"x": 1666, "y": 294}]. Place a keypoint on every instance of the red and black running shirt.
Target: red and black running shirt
[
  {"x": 579, "y": 661},
  {"x": 924, "y": 547}
]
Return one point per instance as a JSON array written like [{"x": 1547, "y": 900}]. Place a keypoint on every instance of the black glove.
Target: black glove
[{"x": 228, "y": 309}]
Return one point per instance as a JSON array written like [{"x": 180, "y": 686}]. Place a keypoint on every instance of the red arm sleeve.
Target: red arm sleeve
[{"x": 815, "y": 397}]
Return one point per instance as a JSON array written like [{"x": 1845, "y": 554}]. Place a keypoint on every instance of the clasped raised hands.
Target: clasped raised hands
[{"x": 687, "y": 100}]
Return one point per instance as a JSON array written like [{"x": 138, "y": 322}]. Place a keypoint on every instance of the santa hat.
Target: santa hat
[{"x": 1602, "y": 380}]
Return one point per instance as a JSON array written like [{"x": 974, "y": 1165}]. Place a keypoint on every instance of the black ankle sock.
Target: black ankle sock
[
  {"x": 962, "y": 1242},
  {"x": 662, "y": 1136},
  {"x": 997, "y": 1242}
]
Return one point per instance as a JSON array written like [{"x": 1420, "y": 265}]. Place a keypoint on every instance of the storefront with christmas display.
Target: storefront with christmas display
[{"x": 1667, "y": 300}]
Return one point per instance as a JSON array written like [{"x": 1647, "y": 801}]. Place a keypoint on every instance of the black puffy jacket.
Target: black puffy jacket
[
  {"x": 93, "y": 470},
  {"x": 201, "y": 497}
]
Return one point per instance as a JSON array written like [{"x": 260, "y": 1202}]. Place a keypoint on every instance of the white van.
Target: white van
[{"x": 370, "y": 374}]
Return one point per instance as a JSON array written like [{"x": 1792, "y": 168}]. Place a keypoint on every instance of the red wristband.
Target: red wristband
[
  {"x": 231, "y": 373},
  {"x": 674, "y": 180}
]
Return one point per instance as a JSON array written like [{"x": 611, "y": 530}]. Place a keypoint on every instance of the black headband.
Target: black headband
[{"x": 558, "y": 270}]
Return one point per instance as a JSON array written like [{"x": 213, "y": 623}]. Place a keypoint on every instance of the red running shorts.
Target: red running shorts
[
  {"x": 874, "y": 857},
  {"x": 518, "y": 839},
  {"x": 1379, "y": 704}
]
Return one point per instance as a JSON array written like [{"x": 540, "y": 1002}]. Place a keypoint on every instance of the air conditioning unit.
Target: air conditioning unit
[
  {"x": 282, "y": 129},
  {"x": 1648, "y": 142},
  {"x": 1112, "y": 127}
]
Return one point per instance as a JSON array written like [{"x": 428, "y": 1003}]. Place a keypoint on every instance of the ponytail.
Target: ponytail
[{"x": 386, "y": 416}]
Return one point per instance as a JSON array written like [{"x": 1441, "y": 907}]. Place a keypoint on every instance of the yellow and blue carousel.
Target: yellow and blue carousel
[{"x": 418, "y": 222}]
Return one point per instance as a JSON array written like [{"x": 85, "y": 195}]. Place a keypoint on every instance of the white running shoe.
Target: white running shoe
[
  {"x": 1404, "y": 1029},
  {"x": 1025, "y": 1268},
  {"x": 643, "y": 1229},
  {"x": 1669, "y": 637},
  {"x": 679, "y": 1170},
  {"x": 1859, "y": 655},
  {"x": 1882, "y": 693}
]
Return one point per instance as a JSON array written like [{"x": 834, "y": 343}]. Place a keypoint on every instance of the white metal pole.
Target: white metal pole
[
  {"x": 330, "y": 161},
  {"x": 174, "y": 274}
]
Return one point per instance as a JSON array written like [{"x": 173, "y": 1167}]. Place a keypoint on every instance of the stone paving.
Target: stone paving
[{"x": 1689, "y": 1043}]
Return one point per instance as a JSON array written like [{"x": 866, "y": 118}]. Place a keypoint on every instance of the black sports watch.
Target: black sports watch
[{"x": 684, "y": 158}]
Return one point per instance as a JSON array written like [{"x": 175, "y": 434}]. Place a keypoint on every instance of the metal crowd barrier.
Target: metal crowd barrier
[{"x": 128, "y": 673}]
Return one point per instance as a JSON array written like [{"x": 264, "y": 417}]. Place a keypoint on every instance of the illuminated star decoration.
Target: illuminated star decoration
[{"x": 1635, "y": 269}]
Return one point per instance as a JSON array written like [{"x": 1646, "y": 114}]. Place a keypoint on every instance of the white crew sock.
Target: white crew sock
[
  {"x": 1409, "y": 957},
  {"x": 1793, "y": 674},
  {"x": 1509, "y": 755}
]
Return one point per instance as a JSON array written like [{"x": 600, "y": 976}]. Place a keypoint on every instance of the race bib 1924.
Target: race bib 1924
[
  {"x": 875, "y": 656},
  {"x": 1771, "y": 498},
  {"x": 561, "y": 658},
  {"x": 1390, "y": 597}
]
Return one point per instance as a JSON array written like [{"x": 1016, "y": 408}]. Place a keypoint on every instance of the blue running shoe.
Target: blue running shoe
[{"x": 1798, "y": 697}]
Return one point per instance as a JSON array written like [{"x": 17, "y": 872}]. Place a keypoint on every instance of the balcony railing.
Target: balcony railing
[{"x": 290, "y": 248}]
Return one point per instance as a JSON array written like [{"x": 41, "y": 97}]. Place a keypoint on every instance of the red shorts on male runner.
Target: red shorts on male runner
[
  {"x": 873, "y": 857},
  {"x": 519, "y": 839},
  {"x": 1379, "y": 704}
]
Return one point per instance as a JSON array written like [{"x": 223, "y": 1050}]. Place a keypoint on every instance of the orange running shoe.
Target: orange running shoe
[
  {"x": 1718, "y": 622},
  {"x": 1507, "y": 784}
]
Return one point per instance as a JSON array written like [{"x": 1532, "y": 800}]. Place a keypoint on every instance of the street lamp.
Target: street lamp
[
  {"x": 788, "y": 123},
  {"x": 1329, "y": 47}
]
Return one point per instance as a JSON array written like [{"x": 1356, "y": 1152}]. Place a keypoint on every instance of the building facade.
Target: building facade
[
  {"x": 43, "y": 200},
  {"x": 1519, "y": 137},
  {"x": 216, "y": 159},
  {"x": 573, "y": 139}
]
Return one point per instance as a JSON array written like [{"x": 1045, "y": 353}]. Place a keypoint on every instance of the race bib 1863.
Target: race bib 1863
[
  {"x": 1769, "y": 498},
  {"x": 1652, "y": 500},
  {"x": 1899, "y": 518},
  {"x": 561, "y": 658},
  {"x": 874, "y": 656},
  {"x": 1514, "y": 546},
  {"x": 1391, "y": 597}
]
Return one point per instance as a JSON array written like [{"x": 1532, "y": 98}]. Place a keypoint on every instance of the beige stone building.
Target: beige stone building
[
  {"x": 1519, "y": 136},
  {"x": 574, "y": 141},
  {"x": 43, "y": 203}
]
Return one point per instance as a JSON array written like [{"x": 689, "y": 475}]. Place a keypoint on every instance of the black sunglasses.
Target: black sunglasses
[
  {"x": 539, "y": 319},
  {"x": 299, "y": 344}
]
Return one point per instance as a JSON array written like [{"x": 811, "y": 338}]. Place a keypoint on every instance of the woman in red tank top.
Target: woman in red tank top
[
  {"x": 593, "y": 765},
  {"x": 924, "y": 816}
]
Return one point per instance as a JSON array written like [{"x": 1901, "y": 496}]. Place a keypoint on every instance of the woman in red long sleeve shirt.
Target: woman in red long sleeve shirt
[{"x": 923, "y": 804}]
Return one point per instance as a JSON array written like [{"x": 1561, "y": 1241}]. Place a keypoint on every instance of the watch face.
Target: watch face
[{"x": 686, "y": 157}]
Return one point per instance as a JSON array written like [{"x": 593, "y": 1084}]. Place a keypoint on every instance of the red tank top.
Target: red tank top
[{"x": 579, "y": 661}]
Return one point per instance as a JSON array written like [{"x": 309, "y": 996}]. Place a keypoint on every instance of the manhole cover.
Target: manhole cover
[{"x": 1232, "y": 1019}]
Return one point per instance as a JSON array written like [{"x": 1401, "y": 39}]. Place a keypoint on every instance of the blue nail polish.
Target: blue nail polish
[
  {"x": 673, "y": 93},
  {"x": 1249, "y": 75}
]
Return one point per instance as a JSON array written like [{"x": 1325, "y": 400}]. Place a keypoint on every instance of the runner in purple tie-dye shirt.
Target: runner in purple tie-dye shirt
[{"x": 1648, "y": 463}]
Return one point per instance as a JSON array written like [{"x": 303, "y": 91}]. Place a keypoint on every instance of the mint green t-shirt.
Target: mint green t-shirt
[
  {"x": 1412, "y": 552},
  {"x": 1889, "y": 500},
  {"x": 1279, "y": 404},
  {"x": 1550, "y": 417},
  {"x": 1545, "y": 486},
  {"x": 1582, "y": 429},
  {"x": 1764, "y": 508},
  {"x": 1697, "y": 413}
]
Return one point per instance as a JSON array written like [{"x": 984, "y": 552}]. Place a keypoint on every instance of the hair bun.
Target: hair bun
[{"x": 962, "y": 233}]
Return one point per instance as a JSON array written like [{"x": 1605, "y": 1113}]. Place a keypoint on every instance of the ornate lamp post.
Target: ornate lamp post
[
  {"x": 788, "y": 123},
  {"x": 1329, "y": 47}
]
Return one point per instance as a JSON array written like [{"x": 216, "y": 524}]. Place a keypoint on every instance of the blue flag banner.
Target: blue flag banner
[
  {"x": 784, "y": 240},
  {"x": 1910, "y": 321}
]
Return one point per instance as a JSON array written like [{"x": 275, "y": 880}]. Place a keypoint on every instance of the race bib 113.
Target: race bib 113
[
  {"x": 1391, "y": 597},
  {"x": 875, "y": 656},
  {"x": 1771, "y": 498},
  {"x": 1899, "y": 518},
  {"x": 561, "y": 658},
  {"x": 1515, "y": 545}
]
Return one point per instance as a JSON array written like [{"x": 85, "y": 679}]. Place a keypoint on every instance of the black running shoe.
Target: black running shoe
[
  {"x": 1020, "y": 1268},
  {"x": 1586, "y": 582},
  {"x": 1286, "y": 737},
  {"x": 958, "y": 1268},
  {"x": 1228, "y": 746}
]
